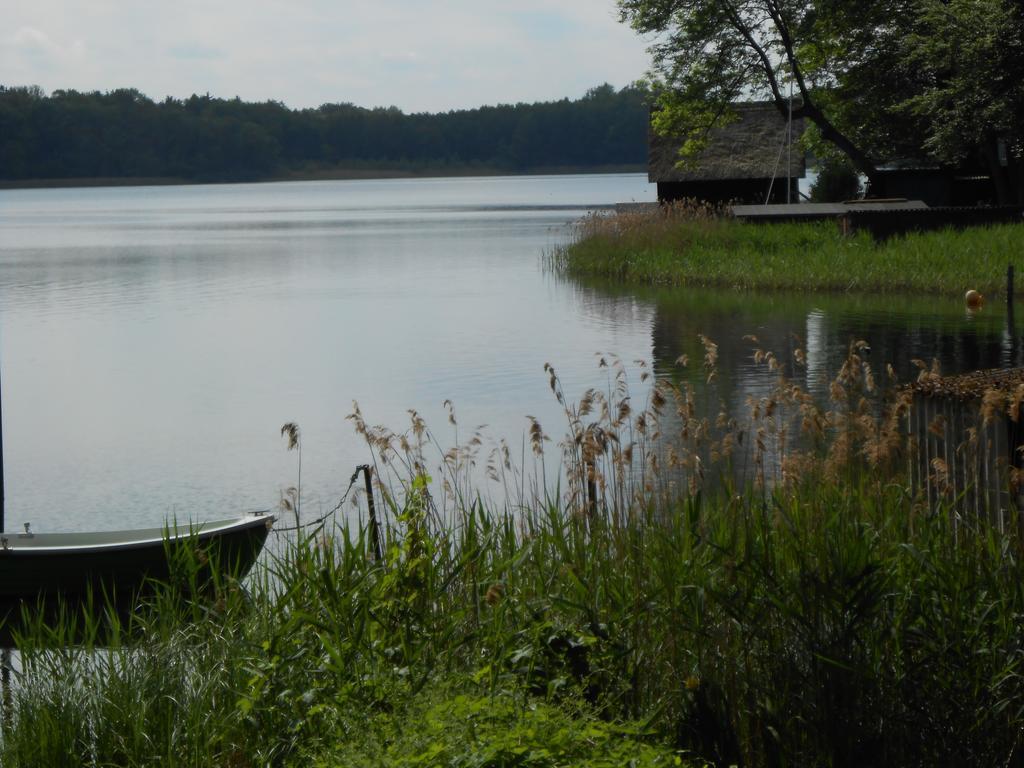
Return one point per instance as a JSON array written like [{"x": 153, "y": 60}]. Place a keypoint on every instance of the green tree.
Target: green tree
[
  {"x": 878, "y": 80},
  {"x": 711, "y": 53},
  {"x": 970, "y": 53},
  {"x": 837, "y": 180},
  {"x": 123, "y": 133}
]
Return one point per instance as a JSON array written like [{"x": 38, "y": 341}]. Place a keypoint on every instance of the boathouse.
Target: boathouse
[
  {"x": 750, "y": 160},
  {"x": 937, "y": 186}
]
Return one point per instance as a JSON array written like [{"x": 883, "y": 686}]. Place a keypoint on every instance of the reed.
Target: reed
[
  {"x": 759, "y": 589},
  {"x": 688, "y": 244}
]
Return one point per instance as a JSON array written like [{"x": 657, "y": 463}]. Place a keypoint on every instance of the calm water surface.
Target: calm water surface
[{"x": 154, "y": 340}]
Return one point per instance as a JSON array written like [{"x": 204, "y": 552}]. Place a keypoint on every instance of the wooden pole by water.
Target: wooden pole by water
[
  {"x": 1, "y": 466},
  {"x": 1011, "y": 329},
  {"x": 1009, "y": 287},
  {"x": 5, "y": 694},
  {"x": 591, "y": 490},
  {"x": 378, "y": 552},
  {"x": 789, "y": 148}
]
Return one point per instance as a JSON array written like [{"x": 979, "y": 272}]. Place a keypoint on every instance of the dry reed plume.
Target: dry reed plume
[
  {"x": 619, "y": 455},
  {"x": 647, "y": 224}
]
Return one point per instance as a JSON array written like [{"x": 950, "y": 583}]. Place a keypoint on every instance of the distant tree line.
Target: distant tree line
[{"x": 123, "y": 133}]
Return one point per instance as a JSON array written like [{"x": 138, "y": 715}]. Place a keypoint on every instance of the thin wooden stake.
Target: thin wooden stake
[
  {"x": 378, "y": 553},
  {"x": 1009, "y": 287},
  {"x": 5, "y": 683},
  {"x": 591, "y": 490},
  {"x": 1, "y": 466}
]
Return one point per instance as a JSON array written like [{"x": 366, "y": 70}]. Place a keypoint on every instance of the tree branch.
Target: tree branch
[
  {"x": 766, "y": 64},
  {"x": 808, "y": 108}
]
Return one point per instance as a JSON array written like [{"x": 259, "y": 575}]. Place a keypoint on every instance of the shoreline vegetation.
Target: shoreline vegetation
[
  {"x": 758, "y": 588},
  {"x": 331, "y": 174},
  {"x": 691, "y": 244}
]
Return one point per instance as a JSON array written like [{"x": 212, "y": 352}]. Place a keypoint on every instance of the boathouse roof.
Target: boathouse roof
[{"x": 751, "y": 147}]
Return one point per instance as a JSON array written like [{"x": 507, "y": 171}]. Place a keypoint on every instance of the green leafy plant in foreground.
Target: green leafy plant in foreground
[{"x": 465, "y": 730}]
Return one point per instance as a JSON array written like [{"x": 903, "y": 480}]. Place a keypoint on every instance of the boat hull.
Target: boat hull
[{"x": 42, "y": 575}]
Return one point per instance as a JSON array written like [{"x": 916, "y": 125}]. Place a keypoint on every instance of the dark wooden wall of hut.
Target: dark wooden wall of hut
[
  {"x": 750, "y": 191},
  {"x": 934, "y": 186},
  {"x": 883, "y": 224}
]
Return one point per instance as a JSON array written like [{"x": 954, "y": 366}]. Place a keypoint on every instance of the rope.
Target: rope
[
  {"x": 775, "y": 172},
  {"x": 323, "y": 518},
  {"x": 787, "y": 142}
]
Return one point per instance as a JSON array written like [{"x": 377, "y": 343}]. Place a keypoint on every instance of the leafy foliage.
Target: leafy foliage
[
  {"x": 711, "y": 53},
  {"x": 836, "y": 181},
  {"x": 467, "y": 730},
  {"x": 932, "y": 81},
  {"x": 970, "y": 53}
]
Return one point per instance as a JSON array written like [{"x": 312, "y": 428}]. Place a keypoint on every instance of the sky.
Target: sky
[{"x": 418, "y": 55}]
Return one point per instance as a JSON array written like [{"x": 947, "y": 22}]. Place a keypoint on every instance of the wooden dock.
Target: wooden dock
[{"x": 883, "y": 218}]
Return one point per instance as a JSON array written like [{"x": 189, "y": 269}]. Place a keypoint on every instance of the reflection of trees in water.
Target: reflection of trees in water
[
  {"x": 897, "y": 333},
  {"x": 818, "y": 328},
  {"x": 615, "y": 310},
  {"x": 741, "y": 384}
]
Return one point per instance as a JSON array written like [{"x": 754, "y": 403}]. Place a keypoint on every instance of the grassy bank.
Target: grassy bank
[
  {"x": 687, "y": 245},
  {"x": 651, "y": 609}
]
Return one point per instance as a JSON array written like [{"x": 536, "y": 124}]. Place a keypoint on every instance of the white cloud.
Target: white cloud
[
  {"x": 30, "y": 38},
  {"x": 29, "y": 50}
]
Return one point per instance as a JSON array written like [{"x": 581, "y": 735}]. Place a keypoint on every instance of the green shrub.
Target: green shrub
[
  {"x": 464, "y": 730},
  {"x": 837, "y": 181}
]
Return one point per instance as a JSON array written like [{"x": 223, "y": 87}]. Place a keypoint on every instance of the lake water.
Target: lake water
[{"x": 153, "y": 340}]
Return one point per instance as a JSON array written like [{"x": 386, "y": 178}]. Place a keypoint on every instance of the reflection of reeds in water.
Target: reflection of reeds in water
[
  {"x": 966, "y": 435},
  {"x": 952, "y": 442}
]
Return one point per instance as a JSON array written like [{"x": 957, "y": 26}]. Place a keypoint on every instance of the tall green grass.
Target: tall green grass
[
  {"x": 683, "y": 245},
  {"x": 651, "y": 606}
]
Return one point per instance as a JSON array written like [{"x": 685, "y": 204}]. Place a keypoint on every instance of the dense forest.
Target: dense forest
[{"x": 124, "y": 134}]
